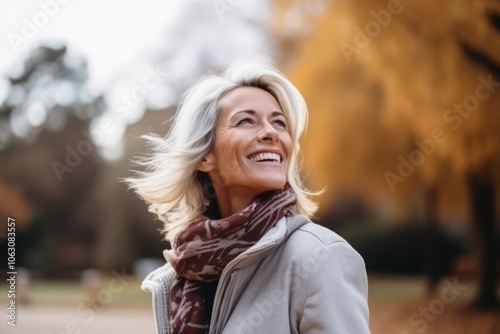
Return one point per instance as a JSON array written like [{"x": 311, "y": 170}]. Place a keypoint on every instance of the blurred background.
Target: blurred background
[{"x": 404, "y": 129}]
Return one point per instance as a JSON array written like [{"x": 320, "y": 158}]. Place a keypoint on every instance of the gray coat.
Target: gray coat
[{"x": 299, "y": 278}]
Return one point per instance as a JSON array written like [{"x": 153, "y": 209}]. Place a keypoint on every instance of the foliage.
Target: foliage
[
  {"x": 399, "y": 248},
  {"x": 403, "y": 99},
  {"x": 49, "y": 84}
]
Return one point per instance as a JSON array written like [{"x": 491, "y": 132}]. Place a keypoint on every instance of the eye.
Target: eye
[
  {"x": 280, "y": 123},
  {"x": 245, "y": 121}
]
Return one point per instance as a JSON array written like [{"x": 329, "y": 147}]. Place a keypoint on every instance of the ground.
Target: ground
[
  {"x": 400, "y": 306},
  {"x": 397, "y": 306},
  {"x": 392, "y": 318}
]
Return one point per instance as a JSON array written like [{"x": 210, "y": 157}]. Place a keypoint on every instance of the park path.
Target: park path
[{"x": 69, "y": 320}]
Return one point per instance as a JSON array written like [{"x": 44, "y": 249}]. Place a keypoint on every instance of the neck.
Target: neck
[{"x": 231, "y": 202}]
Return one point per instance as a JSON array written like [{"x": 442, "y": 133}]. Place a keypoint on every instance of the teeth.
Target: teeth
[{"x": 266, "y": 156}]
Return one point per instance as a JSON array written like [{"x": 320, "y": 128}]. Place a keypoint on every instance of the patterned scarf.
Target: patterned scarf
[{"x": 206, "y": 246}]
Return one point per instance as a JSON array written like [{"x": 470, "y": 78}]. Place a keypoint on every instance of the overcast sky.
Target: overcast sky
[
  {"x": 111, "y": 34},
  {"x": 124, "y": 40}
]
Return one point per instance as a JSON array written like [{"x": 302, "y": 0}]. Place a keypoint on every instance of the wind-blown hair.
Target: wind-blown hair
[{"x": 170, "y": 182}]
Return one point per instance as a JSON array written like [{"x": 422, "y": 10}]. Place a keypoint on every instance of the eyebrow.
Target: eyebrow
[{"x": 252, "y": 112}]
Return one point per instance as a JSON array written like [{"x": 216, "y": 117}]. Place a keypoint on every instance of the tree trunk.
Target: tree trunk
[
  {"x": 482, "y": 193},
  {"x": 431, "y": 235}
]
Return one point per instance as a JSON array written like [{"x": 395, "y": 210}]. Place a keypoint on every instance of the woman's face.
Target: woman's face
[{"x": 252, "y": 145}]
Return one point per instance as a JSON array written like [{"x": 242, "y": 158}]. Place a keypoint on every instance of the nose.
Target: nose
[{"x": 268, "y": 133}]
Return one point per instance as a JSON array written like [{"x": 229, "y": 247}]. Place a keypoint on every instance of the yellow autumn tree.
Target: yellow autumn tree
[{"x": 404, "y": 99}]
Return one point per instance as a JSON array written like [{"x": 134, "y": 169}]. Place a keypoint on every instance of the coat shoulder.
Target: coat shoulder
[
  {"x": 317, "y": 234},
  {"x": 311, "y": 240}
]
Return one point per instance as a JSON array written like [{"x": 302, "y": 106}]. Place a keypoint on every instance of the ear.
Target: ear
[{"x": 207, "y": 164}]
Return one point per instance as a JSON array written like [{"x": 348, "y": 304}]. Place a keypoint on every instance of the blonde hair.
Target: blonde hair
[{"x": 170, "y": 182}]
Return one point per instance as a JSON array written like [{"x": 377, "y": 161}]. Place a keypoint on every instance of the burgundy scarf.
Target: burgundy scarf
[{"x": 206, "y": 246}]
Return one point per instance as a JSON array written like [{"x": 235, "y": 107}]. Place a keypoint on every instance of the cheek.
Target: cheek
[
  {"x": 288, "y": 145},
  {"x": 228, "y": 160},
  {"x": 232, "y": 170}
]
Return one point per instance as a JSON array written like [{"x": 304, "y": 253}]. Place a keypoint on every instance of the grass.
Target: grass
[
  {"x": 381, "y": 289},
  {"x": 410, "y": 289},
  {"x": 126, "y": 293}
]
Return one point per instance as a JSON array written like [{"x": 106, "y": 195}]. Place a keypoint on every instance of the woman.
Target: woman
[{"x": 245, "y": 257}]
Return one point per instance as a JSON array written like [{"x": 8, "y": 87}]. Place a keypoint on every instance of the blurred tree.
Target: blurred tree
[
  {"x": 45, "y": 145},
  {"x": 78, "y": 213},
  {"x": 49, "y": 84},
  {"x": 403, "y": 99}
]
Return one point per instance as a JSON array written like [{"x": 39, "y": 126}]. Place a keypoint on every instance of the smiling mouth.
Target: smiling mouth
[{"x": 265, "y": 157}]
